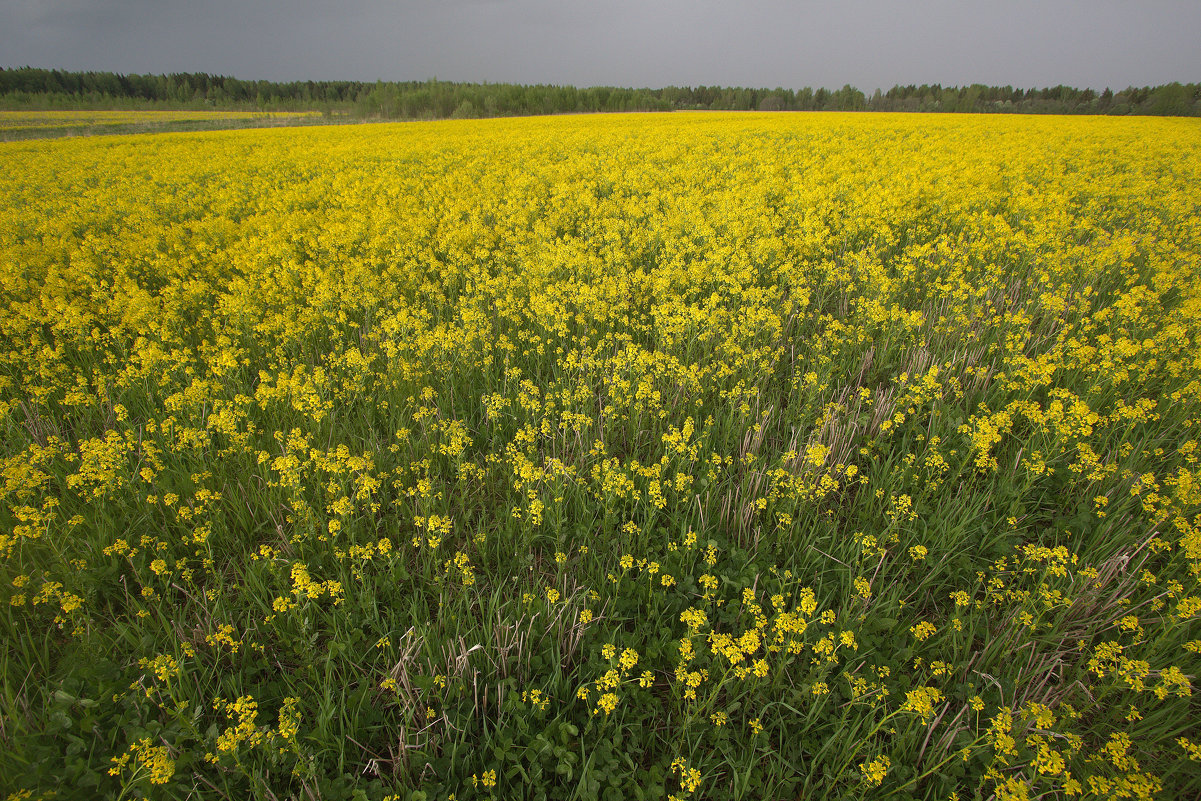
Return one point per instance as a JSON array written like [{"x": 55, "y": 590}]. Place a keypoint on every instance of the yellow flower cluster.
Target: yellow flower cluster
[
  {"x": 144, "y": 760},
  {"x": 874, "y": 770}
]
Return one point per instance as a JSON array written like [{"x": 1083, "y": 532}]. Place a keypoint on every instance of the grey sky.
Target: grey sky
[{"x": 867, "y": 43}]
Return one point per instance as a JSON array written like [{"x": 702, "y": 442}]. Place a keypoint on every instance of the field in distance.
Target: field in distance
[
  {"x": 38, "y": 124},
  {"x": 724, "y": 456}
]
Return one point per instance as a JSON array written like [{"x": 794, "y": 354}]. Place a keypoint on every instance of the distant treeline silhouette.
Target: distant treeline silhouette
[{"x": 28, "y": 87}]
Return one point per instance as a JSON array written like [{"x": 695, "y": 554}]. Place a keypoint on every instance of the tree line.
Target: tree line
[{"x": 28, "y": 87}]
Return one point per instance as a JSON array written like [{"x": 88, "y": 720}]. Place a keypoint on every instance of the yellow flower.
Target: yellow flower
[
  {"x": 606, "y": 703},
  {"x": 923, "y": 630},
  {"x": 921, "y": 701},
  {"x": 875, "y": 770},
  {"x": 143, "y": 755}
]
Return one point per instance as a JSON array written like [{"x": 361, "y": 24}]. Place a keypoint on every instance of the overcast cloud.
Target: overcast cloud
[{"x": 768, "y": 43}]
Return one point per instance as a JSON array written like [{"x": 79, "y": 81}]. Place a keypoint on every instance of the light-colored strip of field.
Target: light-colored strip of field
[{"x": 34, "y": 123}]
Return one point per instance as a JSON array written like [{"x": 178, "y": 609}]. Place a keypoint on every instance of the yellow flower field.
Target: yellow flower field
[{"x": 724, "y": 456}]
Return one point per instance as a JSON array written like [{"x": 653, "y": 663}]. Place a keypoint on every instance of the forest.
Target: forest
[{"x": 34, "y": 88}]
